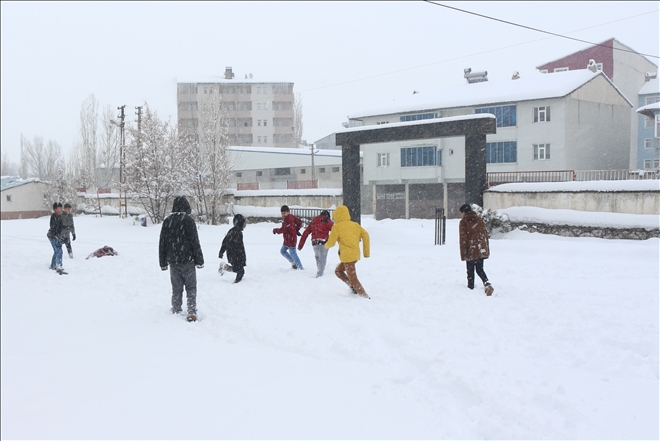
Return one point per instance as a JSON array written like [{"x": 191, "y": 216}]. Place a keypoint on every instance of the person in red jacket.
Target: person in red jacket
[
  {"x": 320, "y": 229},
  {"x": 289, "y": 229}
]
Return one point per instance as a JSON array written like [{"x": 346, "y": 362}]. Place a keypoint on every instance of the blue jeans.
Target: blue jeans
[
  {"x": 56, "y": 261},
  {"x": 290, "y": 254}
]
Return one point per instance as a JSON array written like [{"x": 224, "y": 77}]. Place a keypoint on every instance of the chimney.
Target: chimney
[
  {"x": 515, "y": 76},
  {"x": 228, "y": 73},
  {"x": 475, "y": 77}
]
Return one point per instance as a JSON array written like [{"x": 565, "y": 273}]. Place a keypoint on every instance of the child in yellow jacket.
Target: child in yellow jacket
[{"x": 348, "y": 234}]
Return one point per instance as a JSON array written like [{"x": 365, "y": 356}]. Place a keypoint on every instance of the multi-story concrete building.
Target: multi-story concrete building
[
  {"x": 261, "y": 113},
  {"x": 626, "y": 68},
  {"x": 648, "y": 146}
]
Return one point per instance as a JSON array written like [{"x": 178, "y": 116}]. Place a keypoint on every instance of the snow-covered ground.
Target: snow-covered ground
[{"x": 567, "y": 347}]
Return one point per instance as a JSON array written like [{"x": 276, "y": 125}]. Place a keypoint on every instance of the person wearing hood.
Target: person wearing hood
[
  {"x": 233, "y": 245},
  {"x": 320, "y": 229},
  {"x": 473, "y": 241},
  {"x": 348, "y": 234},
  {"x": 179, "y": 248}
]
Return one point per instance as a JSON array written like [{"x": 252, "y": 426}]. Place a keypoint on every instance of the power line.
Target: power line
[
  {"x": 537, "y": 30},
  {"x": 468, "y": 56}
]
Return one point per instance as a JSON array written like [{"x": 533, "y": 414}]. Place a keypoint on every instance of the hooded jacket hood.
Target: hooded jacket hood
[
  {"x": 181, "y": 205},
  {"x": 341, "y": 214}
]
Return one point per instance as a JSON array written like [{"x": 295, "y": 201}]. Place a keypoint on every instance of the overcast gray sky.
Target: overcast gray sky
[{"x": 341, "y": 56}]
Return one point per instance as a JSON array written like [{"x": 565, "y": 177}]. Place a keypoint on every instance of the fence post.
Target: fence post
[{"x": 440, "y": 226}]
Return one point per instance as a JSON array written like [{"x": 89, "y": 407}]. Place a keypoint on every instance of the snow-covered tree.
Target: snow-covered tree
[
  {"x": 33, "y": 159},
  {"x": 153, "y": 168},
  {"x": 83, "y": 157},
  {"x": 8, "y": 167},
  {"x": 297, "y": 119},
  {"x": 207, "y": 165}
]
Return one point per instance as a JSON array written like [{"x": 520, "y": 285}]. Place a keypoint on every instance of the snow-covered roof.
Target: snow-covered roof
[
  {"x": 411, "y": 123},
  {"x": 649, "y": 109},
  {"x": 220, "y": 79},
  {"x": 533, "y": 87},
  {"x": 286, "y": 151},
  {"x": 651, "y": 86},
  {"x": 7, "y": 182}
]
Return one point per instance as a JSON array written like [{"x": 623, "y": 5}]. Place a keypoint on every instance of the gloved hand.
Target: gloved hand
[
  {"x": 274, "y": 230},
  {"x": 299, "y": 248},
  {"x": 74, "y": 236},
  {"x": 164, "y": 268},
  {"x": 220, "y": 255},
  {"x": 199, "y": 266}
]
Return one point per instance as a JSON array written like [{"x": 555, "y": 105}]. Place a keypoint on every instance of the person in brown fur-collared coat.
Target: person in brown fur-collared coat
[{"x": 473, "y": 241}]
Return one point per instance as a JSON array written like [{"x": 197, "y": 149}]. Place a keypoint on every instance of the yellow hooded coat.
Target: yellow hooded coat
[{"x": 348, "y": 234}]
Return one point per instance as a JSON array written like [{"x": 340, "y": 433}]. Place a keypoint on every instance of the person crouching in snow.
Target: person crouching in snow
[
  {"x": 473, "y": 240},
  {"x": 320, "y": 229},
  {"x": 289, "y": 229},
  {"x": 233, "y": 245},
  {"x": 348, "y": 234}
]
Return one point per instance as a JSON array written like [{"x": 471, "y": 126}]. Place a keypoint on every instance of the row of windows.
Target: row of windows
[
  {"x": 192, "y": 88},
  {"x": 496, "y": 153},
  {"x": 418, "y": 117},
  {"x": 247, "y": 122},
  {"x": 285, "y": 171},
  {"x": 652, "y": 163},
  {"x": 505, "y": 115}
]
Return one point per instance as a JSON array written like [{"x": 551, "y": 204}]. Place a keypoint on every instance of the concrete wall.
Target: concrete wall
[{"x": 613, "y": 202}]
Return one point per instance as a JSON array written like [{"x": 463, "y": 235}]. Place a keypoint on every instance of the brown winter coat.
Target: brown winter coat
[{"x": 473, "y": 237}]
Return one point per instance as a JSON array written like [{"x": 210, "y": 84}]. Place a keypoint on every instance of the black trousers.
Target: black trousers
[
  {"x": 184, "y": 275},
  {"x": 239, "y": 270},
  {"x": 473, "y": 265}
]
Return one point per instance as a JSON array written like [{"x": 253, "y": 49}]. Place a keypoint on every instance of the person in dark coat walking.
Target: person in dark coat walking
[
  {"x": 68, "y": 229},
  {"x": 233, "y": 245},
  {"x": 290, "y": 230},
  {"x": 179, "y": 248},
  {"x": 54, "y": 235},
  {"x": 320, "y": 229},
  {"x": 473, "y": 241}
]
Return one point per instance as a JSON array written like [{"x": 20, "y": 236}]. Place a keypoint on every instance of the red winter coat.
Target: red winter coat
[
  {"x": 289, "y": 228},
  {"x": 320, "y": 229}
]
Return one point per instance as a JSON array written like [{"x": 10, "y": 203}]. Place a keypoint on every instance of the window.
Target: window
[
  {"x": 417, "y": 117},
  {"x": 420, "y": 157},
  {"x": 265, "y": 122},
  {"x": 648, "y": 143},
  {"x": 541, "y": 151},
  {"x": 258, "y": 122},
  {"x": 322, "y": 170},
  {"x": 652, "y": 99},
  {"x": 648, "y": 122},
  {"x": 258, "y": 106},
  {"x": 561, "y": 69},
  {"x": 500, "y": 152},
  {"x": 505, "y": 115},
  {"x": 335, "y": 169},
  {"x": 282, "y": 171},
  {"x": 657, "y": 126},
  {"x": 599, "y": 67},
  {"x": 260, "y": 173},
  {"x": 265, "y": 139},
  {"x": 239, "y": 174},
  {"x": 258, "y": 89},
  {"x": 383, "y": 159},
  {"x": 542, "y": 114},
  {"x": 265, "y": 106},
  {"x": 8, "y": 198},
  {"x": 652, "y": 163},
  {"x": 302, "y": 171},
  {"x": 382, "y": 122},
  {"x": 258, "y": 138}
]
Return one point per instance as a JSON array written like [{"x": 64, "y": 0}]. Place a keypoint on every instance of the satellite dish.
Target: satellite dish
[{"x": 250, "y": 76}]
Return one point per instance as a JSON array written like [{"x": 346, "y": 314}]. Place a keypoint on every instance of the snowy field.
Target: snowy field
[{"x": 567, "y": 347}]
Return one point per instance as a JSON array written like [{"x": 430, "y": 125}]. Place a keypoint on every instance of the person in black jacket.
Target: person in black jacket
[
  {"x": 54, "y": 235},
  {"x": 180, "y": 249},
  {"x": 233, "y": 245},
  {"x": 68, "y": 228}
]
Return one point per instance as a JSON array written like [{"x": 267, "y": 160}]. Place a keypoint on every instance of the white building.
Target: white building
[{"x": 23, "y": 198}]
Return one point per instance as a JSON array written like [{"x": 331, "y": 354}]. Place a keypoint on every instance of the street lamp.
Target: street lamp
[
  {"x": 311, "y": 147},
  {"x": 121, "y": 125}
]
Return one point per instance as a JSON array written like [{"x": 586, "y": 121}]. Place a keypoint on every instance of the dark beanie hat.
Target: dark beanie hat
[
  {"x": 56, "y": 204},
  {"x": 325, "y": 213},
  {"x": 284, "y": 208},
  {"x": 465, "y": 208}
]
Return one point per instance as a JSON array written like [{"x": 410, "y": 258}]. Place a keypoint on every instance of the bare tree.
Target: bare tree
[
  {"x": 32, "y": 157},
  {"x": 297, "y": 119},
  {"x": 8, "y": 167},
  {"x": 207, "y": 160},
  {"x": 83, "y": 157},
  {"x": 153, "y": 164}
]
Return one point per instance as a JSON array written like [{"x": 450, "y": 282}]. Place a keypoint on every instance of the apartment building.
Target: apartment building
[{"x": 261, "y": 113}]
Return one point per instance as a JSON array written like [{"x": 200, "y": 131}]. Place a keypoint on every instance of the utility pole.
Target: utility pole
[
  {"x": 121, "y": 161},
  {"x": 311, "y": 146}
]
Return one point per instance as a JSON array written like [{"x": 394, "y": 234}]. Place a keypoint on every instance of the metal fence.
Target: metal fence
[
  {"x": 440, "y": 226},
  {"x": 496, "y": 178},
  {"x": 307, "y": 214}
]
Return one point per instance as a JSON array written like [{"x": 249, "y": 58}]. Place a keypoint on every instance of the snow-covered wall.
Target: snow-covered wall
[{"x": 635, "y": 197}]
